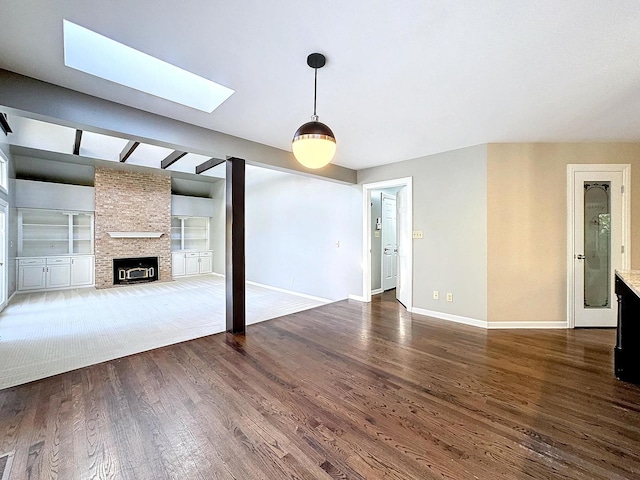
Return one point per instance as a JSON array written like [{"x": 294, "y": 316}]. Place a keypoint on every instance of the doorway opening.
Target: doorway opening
[
  {"x": 598, "y": 241},
  {"x": 397, "y": 196}
]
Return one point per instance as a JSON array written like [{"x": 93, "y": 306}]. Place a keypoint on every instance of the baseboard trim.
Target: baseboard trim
[
  {"x": 357, "y": 298},
  {"x": 377, "y": 291},
  {"x": 291, "y": 292},
  {"x": 527, "y": 325},
  {"x": 452, "y": 318}
]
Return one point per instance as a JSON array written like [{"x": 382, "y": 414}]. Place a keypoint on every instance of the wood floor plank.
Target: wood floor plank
[{"x": 347, "y": 390}]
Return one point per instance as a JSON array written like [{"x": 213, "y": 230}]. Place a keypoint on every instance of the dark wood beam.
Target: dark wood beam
[
  {"x": 234, "y": 246},
  {"x": 172, "y": 158},
  {"x": 4, "y": 125},
  {"x": 208, "y": 165},
  {"x": 128, "y": 150},
  {"x": 76, "y": 144}
]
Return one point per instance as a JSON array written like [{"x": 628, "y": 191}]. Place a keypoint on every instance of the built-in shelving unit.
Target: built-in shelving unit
[
  {"x": 189, "y": 233},
  {"x": 55, "y": 249},
  {"x": 190, "y": 246},
  {"x": 54, "y": 232}
]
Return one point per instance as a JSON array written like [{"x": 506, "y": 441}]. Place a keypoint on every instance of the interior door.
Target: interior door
[
  {"x": 389, "y": 243},
  {"x": 403, "y": 288},
  {"x": 598, "y": 247}
]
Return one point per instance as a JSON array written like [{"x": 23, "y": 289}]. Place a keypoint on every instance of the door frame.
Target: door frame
[
  {"x": 5, "y": 294},
  {"x": 406, "y": 182},
  {"x": 572, "y": 169}
]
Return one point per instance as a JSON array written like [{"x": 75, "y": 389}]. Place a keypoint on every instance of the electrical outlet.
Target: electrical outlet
[
  {"x": 338, "y": 244},
  {"x": 417, "y": 234},
  {"x": 436, "y": 295},
  {"x": 449, "y": 297}
]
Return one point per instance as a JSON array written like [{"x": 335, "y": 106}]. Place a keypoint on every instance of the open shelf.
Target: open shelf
[{"x": 52, "y": 232}]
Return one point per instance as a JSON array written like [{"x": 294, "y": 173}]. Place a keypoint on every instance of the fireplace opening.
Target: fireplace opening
[{"x": 135, "y": 270}]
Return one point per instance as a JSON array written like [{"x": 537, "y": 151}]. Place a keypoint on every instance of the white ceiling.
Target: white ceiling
[{"x": 404, "y": 78}]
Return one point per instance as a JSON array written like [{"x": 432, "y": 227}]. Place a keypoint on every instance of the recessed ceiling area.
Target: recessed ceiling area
[
  {"x": 402, "y": 79},
  {"x": 48, "y": 137}
]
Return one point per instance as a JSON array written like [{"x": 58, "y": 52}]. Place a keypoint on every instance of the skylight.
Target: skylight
[{"x": 98, "y": 55}]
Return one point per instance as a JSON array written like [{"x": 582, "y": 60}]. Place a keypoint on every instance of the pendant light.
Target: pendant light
[{"x": 313, "y": 144}]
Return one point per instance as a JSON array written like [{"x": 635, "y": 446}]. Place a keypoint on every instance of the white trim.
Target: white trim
[
  {"x": 357, "y": 298},
  {"x": 377, "y": 291},
  {"x": 5, "y": 282},
  {"x": 474, "y": 322},
  {"x": 450, "y": 317},
  {"x": 561, "y": 324},
  {"x": 572, "y": 169},
  {"x": 366, "y": 234},
  {"x": 135, "y": 234},
  {"x": 4, "y": 173},
  {"x": 291, "y": 292}
]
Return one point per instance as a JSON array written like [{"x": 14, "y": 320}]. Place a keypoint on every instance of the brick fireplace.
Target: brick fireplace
[{"x": 127, "y": 201}]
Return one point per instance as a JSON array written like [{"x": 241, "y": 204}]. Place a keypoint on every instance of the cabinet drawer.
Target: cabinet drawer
[
  {"x": 205, "y": 254},
  {"x": 58, "y": 260},
  {"x": 32, "y": 261},
  {"x": 191, "y": 254}
]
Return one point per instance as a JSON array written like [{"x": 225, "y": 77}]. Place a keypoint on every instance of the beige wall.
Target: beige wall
[{"x": 526, "y": 224}]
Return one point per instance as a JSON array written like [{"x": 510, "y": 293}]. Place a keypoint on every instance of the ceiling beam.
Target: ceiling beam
[
  {"x": 128, "y": 150},
  {"x": 38, "y": 100},
  {"x": 208, "y": 165},
  {"x": 4, "y": 125},
  {"x": 76, "y": 144},
  {"x": 172, "y": 158}
]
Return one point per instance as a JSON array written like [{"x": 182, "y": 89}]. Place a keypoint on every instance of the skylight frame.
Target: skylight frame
[{"x": 102, "y": 57}]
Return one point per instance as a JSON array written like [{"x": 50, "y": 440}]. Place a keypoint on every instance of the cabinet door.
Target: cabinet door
[
  {"x": 59, "y": 275},
  {"x": 192, "y": 264},
  {"x": 206, "y": 265},
  {"x": 31, "y": 277},
  {"x": 81, "y": 271},
  {"x": 177, "y": 264}
]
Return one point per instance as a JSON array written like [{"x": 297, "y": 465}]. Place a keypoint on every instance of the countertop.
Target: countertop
[{"x": 631, "y": 278}]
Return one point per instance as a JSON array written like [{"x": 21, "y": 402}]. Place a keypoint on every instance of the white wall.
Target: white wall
[
  {"x": 218, "y": 226},
  {"x": 293, "y": 223},
  {"x": 450, "y": 207},
  {"x": 55, "y": 196}
]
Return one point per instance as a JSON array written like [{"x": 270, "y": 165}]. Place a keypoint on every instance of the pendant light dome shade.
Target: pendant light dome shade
[{"x": 314, "y": 144}]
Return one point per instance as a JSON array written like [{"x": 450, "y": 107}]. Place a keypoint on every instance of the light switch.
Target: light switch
[{"x": 417, "y": 234}]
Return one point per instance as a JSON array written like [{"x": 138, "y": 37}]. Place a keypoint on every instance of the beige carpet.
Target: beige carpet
[{"x": 46, "y": 333}]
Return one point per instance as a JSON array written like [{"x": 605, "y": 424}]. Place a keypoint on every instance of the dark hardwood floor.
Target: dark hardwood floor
[{"x": 347, "y": 390}]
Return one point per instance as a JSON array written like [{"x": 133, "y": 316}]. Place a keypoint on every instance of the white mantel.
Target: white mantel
[{"x": 135, "y": 234}]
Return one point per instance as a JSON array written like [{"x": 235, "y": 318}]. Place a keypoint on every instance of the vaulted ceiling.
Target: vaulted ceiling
[{"x": 403, "y": 78}]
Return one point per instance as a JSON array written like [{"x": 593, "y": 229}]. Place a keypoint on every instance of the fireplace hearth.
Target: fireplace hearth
[{"x": 127, "y": 271}]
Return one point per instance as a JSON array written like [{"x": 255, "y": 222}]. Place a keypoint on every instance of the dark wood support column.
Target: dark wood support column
[{"x": 234, "y": 246}]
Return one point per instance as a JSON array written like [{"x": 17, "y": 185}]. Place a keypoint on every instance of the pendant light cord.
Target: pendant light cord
[{"x": 315, "y": 91}]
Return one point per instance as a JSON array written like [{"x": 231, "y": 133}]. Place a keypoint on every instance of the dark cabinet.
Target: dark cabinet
[{"x": 627, "y": 350}]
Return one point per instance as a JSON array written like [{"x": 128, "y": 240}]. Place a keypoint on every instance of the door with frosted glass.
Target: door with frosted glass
[{"x": 598, "y": 246}]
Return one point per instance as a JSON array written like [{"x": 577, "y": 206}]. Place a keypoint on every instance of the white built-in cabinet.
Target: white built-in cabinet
[
  {"x": 190, "y": 246},
  {"x": 55, "y": 249},
  {"x": 191, "y": 263}
]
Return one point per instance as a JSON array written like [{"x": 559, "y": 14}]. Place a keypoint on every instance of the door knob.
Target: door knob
[{"x": 580, "y": 256}]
